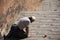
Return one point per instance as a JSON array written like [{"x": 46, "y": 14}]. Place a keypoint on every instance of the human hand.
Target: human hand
[{"x": 28, "y": 36}]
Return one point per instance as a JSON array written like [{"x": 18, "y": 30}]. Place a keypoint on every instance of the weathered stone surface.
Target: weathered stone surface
[{"x": 10, "y": 9}]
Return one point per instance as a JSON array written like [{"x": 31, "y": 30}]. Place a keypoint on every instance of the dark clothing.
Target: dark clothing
[{"x": 16, "y": 33}]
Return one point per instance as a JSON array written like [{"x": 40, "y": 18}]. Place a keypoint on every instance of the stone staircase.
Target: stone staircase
[{"x": 47, "y": 23}]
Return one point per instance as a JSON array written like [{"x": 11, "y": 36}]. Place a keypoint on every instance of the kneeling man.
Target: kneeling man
[{"x": 17, "y": 29}]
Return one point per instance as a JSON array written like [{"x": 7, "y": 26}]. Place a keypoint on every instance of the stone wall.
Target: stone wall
[{"x": 10, "y": 9}]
